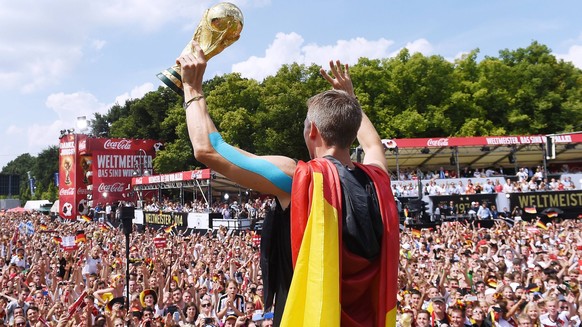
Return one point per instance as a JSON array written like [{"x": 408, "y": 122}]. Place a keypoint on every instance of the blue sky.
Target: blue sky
[{"x": 62, "y": 59}]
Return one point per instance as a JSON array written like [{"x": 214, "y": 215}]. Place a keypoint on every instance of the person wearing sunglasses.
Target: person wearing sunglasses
[{"x": 207, "y": 313}]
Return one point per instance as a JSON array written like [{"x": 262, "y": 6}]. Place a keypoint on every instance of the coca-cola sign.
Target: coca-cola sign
[
  {"x": 67, "y": 191},
  {"x": 82, "y": 191},
  {"x": 111, "y": 188},
  {"x": 438, "y": 142},
  {"x": 117, "y": 145}
]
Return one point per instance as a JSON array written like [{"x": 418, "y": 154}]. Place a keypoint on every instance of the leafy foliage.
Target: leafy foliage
[{"x": 522, "y": 91}]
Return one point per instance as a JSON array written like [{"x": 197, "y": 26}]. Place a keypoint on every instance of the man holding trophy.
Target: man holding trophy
[{"x": 329, "y": 252}]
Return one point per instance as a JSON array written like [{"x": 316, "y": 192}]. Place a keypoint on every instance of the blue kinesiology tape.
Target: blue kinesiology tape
[{"x": 256, "y": 165}]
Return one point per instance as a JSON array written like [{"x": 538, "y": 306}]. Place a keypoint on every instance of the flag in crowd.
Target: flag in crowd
[
  {"x": 533, "y": 288},
  {"x": 531, "y": 210},
  {"x": 541, "y": 225},
  {"x": 85, "y": 218},
  {"x": 416, "y": 233},
  {"x": 80, "y": 237},
  {"x": 552, "y": 214},
  {"x": 168, "y": 229}
]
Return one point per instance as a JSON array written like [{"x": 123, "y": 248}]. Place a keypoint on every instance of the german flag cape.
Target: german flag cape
[{"x": 314, "y": 296}]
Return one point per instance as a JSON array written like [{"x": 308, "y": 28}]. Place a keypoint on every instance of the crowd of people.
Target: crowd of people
[
  {"x": 516, "y": 274},
  {"x": 407, "y": 174},
  {"x": 203, "y": 279},
  {"x": 525, "y": 180},
  {"x": 454, "y": 275},
  {"x": 254, "y": 208},
  {"x": 462, "y": 275}
]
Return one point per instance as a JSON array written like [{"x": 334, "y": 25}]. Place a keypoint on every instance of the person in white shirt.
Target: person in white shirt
[
  {"x": 18, "y": 259},
  {"x": 92, "y": 261},
  {"x": 554, "y": 317}
]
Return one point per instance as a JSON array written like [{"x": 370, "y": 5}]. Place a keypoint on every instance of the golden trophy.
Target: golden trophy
[{"x": 220, "y": 27}]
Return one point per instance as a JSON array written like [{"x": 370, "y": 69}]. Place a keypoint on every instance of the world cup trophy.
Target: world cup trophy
[{"x": 220, "y": 27}]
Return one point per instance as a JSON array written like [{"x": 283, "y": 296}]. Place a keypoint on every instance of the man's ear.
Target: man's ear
[{"x": 313, "y": 130}]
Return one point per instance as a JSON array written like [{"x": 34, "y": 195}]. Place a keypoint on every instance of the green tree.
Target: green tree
[
  {"x": 20, "y": 166},
  {"x": 279, "y": 127},
  {"x": 46, "y": 164}
]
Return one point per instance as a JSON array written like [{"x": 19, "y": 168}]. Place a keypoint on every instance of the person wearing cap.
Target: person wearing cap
[
  {"x": 149, "y": 298},
  {"x": 268, "y": 319},
  {"x": 439, "y": 313}
]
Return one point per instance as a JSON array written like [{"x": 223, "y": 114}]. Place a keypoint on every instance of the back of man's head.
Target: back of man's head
[{"x": 337, "y": 116}]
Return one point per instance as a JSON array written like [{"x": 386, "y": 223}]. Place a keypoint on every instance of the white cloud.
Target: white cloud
[
  {"x": 42, "y": 41},
  {"x": 135, "y": 93},
  {"x": 14, "y": 130},
  {"x": 573, "y": 55},
  {"x": 68, "y": 107},
  {"x": 289, "y": 48},
  {"x": 98, "y": 44},
  {"x": 420, "y": 46}
]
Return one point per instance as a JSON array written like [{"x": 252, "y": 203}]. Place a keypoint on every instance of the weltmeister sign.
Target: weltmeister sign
[{"x": 565, "y": 204}]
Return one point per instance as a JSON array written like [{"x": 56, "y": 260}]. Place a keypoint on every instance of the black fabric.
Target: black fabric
[
  {"x": 362, "y": 226},
  {"x": 276, "y": 260}
]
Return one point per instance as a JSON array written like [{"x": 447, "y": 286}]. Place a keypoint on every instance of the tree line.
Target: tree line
[{"x": 523, "y": 91}]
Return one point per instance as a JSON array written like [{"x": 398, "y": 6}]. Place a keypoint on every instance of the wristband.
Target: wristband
[{"x": 196, "y": 98}]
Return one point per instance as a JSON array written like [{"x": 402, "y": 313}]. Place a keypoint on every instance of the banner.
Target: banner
[
  {"x": 159, "y": 220},
  {"x": 160, "y": 242},
  {"x": 99, "y": 170},
  {"x": 200, "y": 174},
  {"x": 548, "y": 205},
  {"x": 462, "y": 202},
  {"x": 69, "y": 176},
  {"x": 482, "y": 141},
  {"x": 115, "y": 163}
]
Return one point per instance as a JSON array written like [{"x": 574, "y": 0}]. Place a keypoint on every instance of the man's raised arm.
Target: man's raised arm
[
  {"x": 268, "y": 174},
  {"x": 375, "y": 153}
]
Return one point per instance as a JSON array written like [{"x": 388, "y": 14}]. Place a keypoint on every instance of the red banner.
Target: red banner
[
  {"x": 160, "y": 242},
  {"x": 174, "y": 177},
  {"x": 99, "y": 170},
  {"x": 71, "y": 187},
  {"x": 115, "y": 161},
  {"x": 481, "y": 141}
]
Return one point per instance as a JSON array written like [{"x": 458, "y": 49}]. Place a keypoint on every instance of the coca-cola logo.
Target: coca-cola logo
[
  {"x": 83, "y": 145},
  {"x": 111, "y": 188},
  {"x": 67, "y": 191},
  {"x": 438, "y": 142},
  {"x": 82, "y": 191},
  {"x": 117, "y": 145}
]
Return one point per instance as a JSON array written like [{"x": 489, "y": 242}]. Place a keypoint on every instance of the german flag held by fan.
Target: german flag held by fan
[{"x": 80, "y": 237}]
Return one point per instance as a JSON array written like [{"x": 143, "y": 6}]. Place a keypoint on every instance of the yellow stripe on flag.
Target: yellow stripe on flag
[
  {"x": 314, "y": 295},
  {"x": 391, "y": 318}
]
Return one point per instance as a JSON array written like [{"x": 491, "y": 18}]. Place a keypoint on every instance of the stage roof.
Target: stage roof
[{"x": 481, "y": 152}]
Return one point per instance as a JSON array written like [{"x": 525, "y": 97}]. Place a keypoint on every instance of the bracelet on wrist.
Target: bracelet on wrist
[{"x": 196, "y": 98}]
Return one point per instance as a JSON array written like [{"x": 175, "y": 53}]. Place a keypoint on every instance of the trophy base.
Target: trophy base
[{"x": 172, "y": 79}]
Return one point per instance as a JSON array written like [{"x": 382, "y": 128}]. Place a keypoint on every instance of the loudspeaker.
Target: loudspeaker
[{"x": 127, "y": 215}]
